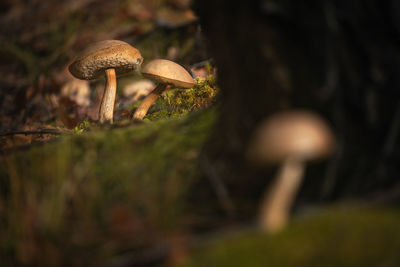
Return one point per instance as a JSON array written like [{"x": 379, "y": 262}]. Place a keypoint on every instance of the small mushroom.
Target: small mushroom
[
  {"x": 109, "y": 58},
  {"x": 165, "y": 72},
  {"x": 290, "y": 138}
]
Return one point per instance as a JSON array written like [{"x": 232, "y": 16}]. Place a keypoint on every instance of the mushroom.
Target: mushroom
[
  {"x": 109, "y": 58},
  {"x": 165, "y": 72},
  {"x": 290, "y": 138}
]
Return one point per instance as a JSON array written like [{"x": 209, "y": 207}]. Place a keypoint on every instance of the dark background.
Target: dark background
[{"x": 338, "y": 58}]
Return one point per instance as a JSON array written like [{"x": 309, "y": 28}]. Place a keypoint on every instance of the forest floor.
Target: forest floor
[
  {"x": 40, "y": 95},
  {"x": 76, "y": 193}
]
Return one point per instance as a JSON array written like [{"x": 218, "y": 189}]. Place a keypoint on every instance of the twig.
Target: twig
[
  {"x": 389, "y": 144},
  {"x": 393, "y": 134},
  {"x": 46, "y": 131},
  {"x": 331, "y": 83},
  {"x": 218, "y": 186}
]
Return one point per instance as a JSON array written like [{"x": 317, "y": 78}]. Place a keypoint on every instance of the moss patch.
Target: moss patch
[
  {"x": 96, "y": 194},
  {"x": 180, "y": 102},
  {"x": 345, "y": 236}
]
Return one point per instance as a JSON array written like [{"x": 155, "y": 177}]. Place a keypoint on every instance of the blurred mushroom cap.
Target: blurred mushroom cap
[
  {"x": 78, "y": 91},
  {"x": 139, "y": 87},
  {"x": 168, "y": 72},
  {"x": 299, "y": 134},
  {"x": 107, "y": 54}
]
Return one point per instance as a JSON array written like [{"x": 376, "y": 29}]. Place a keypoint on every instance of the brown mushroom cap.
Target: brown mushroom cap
[
  {"x": 168, "y": 72},
  {"x": 108, "y": 54},
  {"x": 299, "y": 134}
]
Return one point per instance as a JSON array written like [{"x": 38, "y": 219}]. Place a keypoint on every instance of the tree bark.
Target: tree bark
[{"x": 337, "y": 58}]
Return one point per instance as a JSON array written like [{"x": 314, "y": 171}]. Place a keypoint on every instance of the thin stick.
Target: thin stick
[
  {"x": 107, "y": 103},
  {"x": 219, "y": 187},
  {"x": 49, "y": 131}
]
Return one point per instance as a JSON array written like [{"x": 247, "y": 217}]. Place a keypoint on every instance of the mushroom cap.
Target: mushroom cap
[
  {"x": 168, "y": 72},
  {"x": 298, "y": 134},
  {"x": 107, "y": 54}
]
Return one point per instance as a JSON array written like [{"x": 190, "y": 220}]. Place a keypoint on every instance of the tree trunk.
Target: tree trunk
[{"x": 338, "y": 58}]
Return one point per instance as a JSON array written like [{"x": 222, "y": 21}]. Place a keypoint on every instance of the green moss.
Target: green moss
[
  {"x": 99, "y": 192},
  {"x": 344, "y": 236},
  {"x": 179, "y": 102},
  {"x": 82, "y": 127},
  {"x": 202, "y": 95}
]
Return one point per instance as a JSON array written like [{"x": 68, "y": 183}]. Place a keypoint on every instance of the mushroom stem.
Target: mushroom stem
[
  {"x": 276, "y": 204},
  {"x": 141, "y": 111},
  {"x": 107, "y": 103}
]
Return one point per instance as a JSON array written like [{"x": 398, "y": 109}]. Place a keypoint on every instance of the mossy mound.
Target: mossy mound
[
  {"x": 180, "y": 102},
  {"x": 345, "y": 236},
  {"x": 86, "y": 198}
]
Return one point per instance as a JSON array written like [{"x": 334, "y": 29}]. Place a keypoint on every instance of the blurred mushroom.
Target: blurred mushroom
[
  {"x": 290, "y": 138},
  {"x": 109, "y": 57},
  {"x": 78, "y": 91},
  {"x": 173, "y": 19},
  {"x": 181, "y": 4},
  {"x": 137, "y": 89},
  {"x": 165, "y": 72}
]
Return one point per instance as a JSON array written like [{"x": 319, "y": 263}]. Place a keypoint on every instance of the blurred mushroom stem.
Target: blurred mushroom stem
[
  {"x": 107, "y": 103},
  {"x": 278, "y": 200},
  {"x": 141, "y": 111}
]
